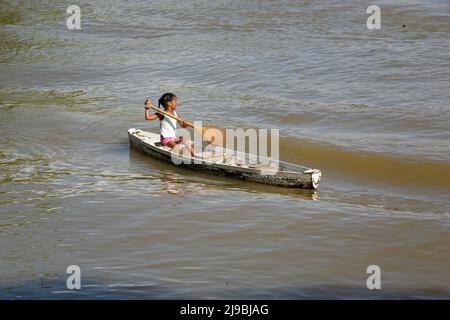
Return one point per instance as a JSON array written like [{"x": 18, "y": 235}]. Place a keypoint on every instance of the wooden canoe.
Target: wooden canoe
[{"x": 225, "y": 162}]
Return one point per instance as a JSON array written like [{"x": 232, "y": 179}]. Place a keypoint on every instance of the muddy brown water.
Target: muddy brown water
[{"x": 368, "y": 108}]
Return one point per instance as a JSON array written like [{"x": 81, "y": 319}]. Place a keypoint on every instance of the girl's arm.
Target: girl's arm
[
  {"x": 182, "y": 123},
  {"x": 147, "y": 114}
]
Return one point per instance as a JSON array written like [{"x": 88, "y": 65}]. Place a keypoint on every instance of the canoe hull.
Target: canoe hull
[{"x": 286, "y": 179}]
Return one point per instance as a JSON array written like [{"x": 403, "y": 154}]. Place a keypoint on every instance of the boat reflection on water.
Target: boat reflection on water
[
  {"x": 176, "y": 185},
  {"x": 179, "y": 180}
]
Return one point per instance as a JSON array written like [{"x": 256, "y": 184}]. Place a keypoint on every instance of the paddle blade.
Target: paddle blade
[{"x": 214, "y": 135}]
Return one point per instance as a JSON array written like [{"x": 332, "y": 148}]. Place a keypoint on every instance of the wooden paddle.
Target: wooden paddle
[{"x": 208, "y": 133}]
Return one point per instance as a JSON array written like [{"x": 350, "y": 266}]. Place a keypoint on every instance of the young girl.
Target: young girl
[{"x": 168, "y": 125}]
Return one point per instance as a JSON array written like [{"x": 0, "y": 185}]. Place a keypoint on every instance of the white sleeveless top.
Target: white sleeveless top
[{"x": 168, "y": 126}]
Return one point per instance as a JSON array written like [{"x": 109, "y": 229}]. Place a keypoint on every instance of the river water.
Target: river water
[{"x": 370, "y": 108}]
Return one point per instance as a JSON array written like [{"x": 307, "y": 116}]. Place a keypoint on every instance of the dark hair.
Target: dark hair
[{"x": 165, "y": 98}]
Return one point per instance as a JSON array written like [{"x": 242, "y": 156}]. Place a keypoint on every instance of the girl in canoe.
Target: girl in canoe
[{"x": 168, "y": 125}]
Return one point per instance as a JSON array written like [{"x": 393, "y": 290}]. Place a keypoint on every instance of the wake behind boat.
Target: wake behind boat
[{"x": 226, "y": 162}]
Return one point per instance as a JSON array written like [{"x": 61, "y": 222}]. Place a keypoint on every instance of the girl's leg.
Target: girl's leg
[
  {"x": 189, "y": 147},
  {"x": 175, "y": 145}
]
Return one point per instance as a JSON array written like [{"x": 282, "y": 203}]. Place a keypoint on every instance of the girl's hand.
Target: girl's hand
[{"x": 148, "y": 103}]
